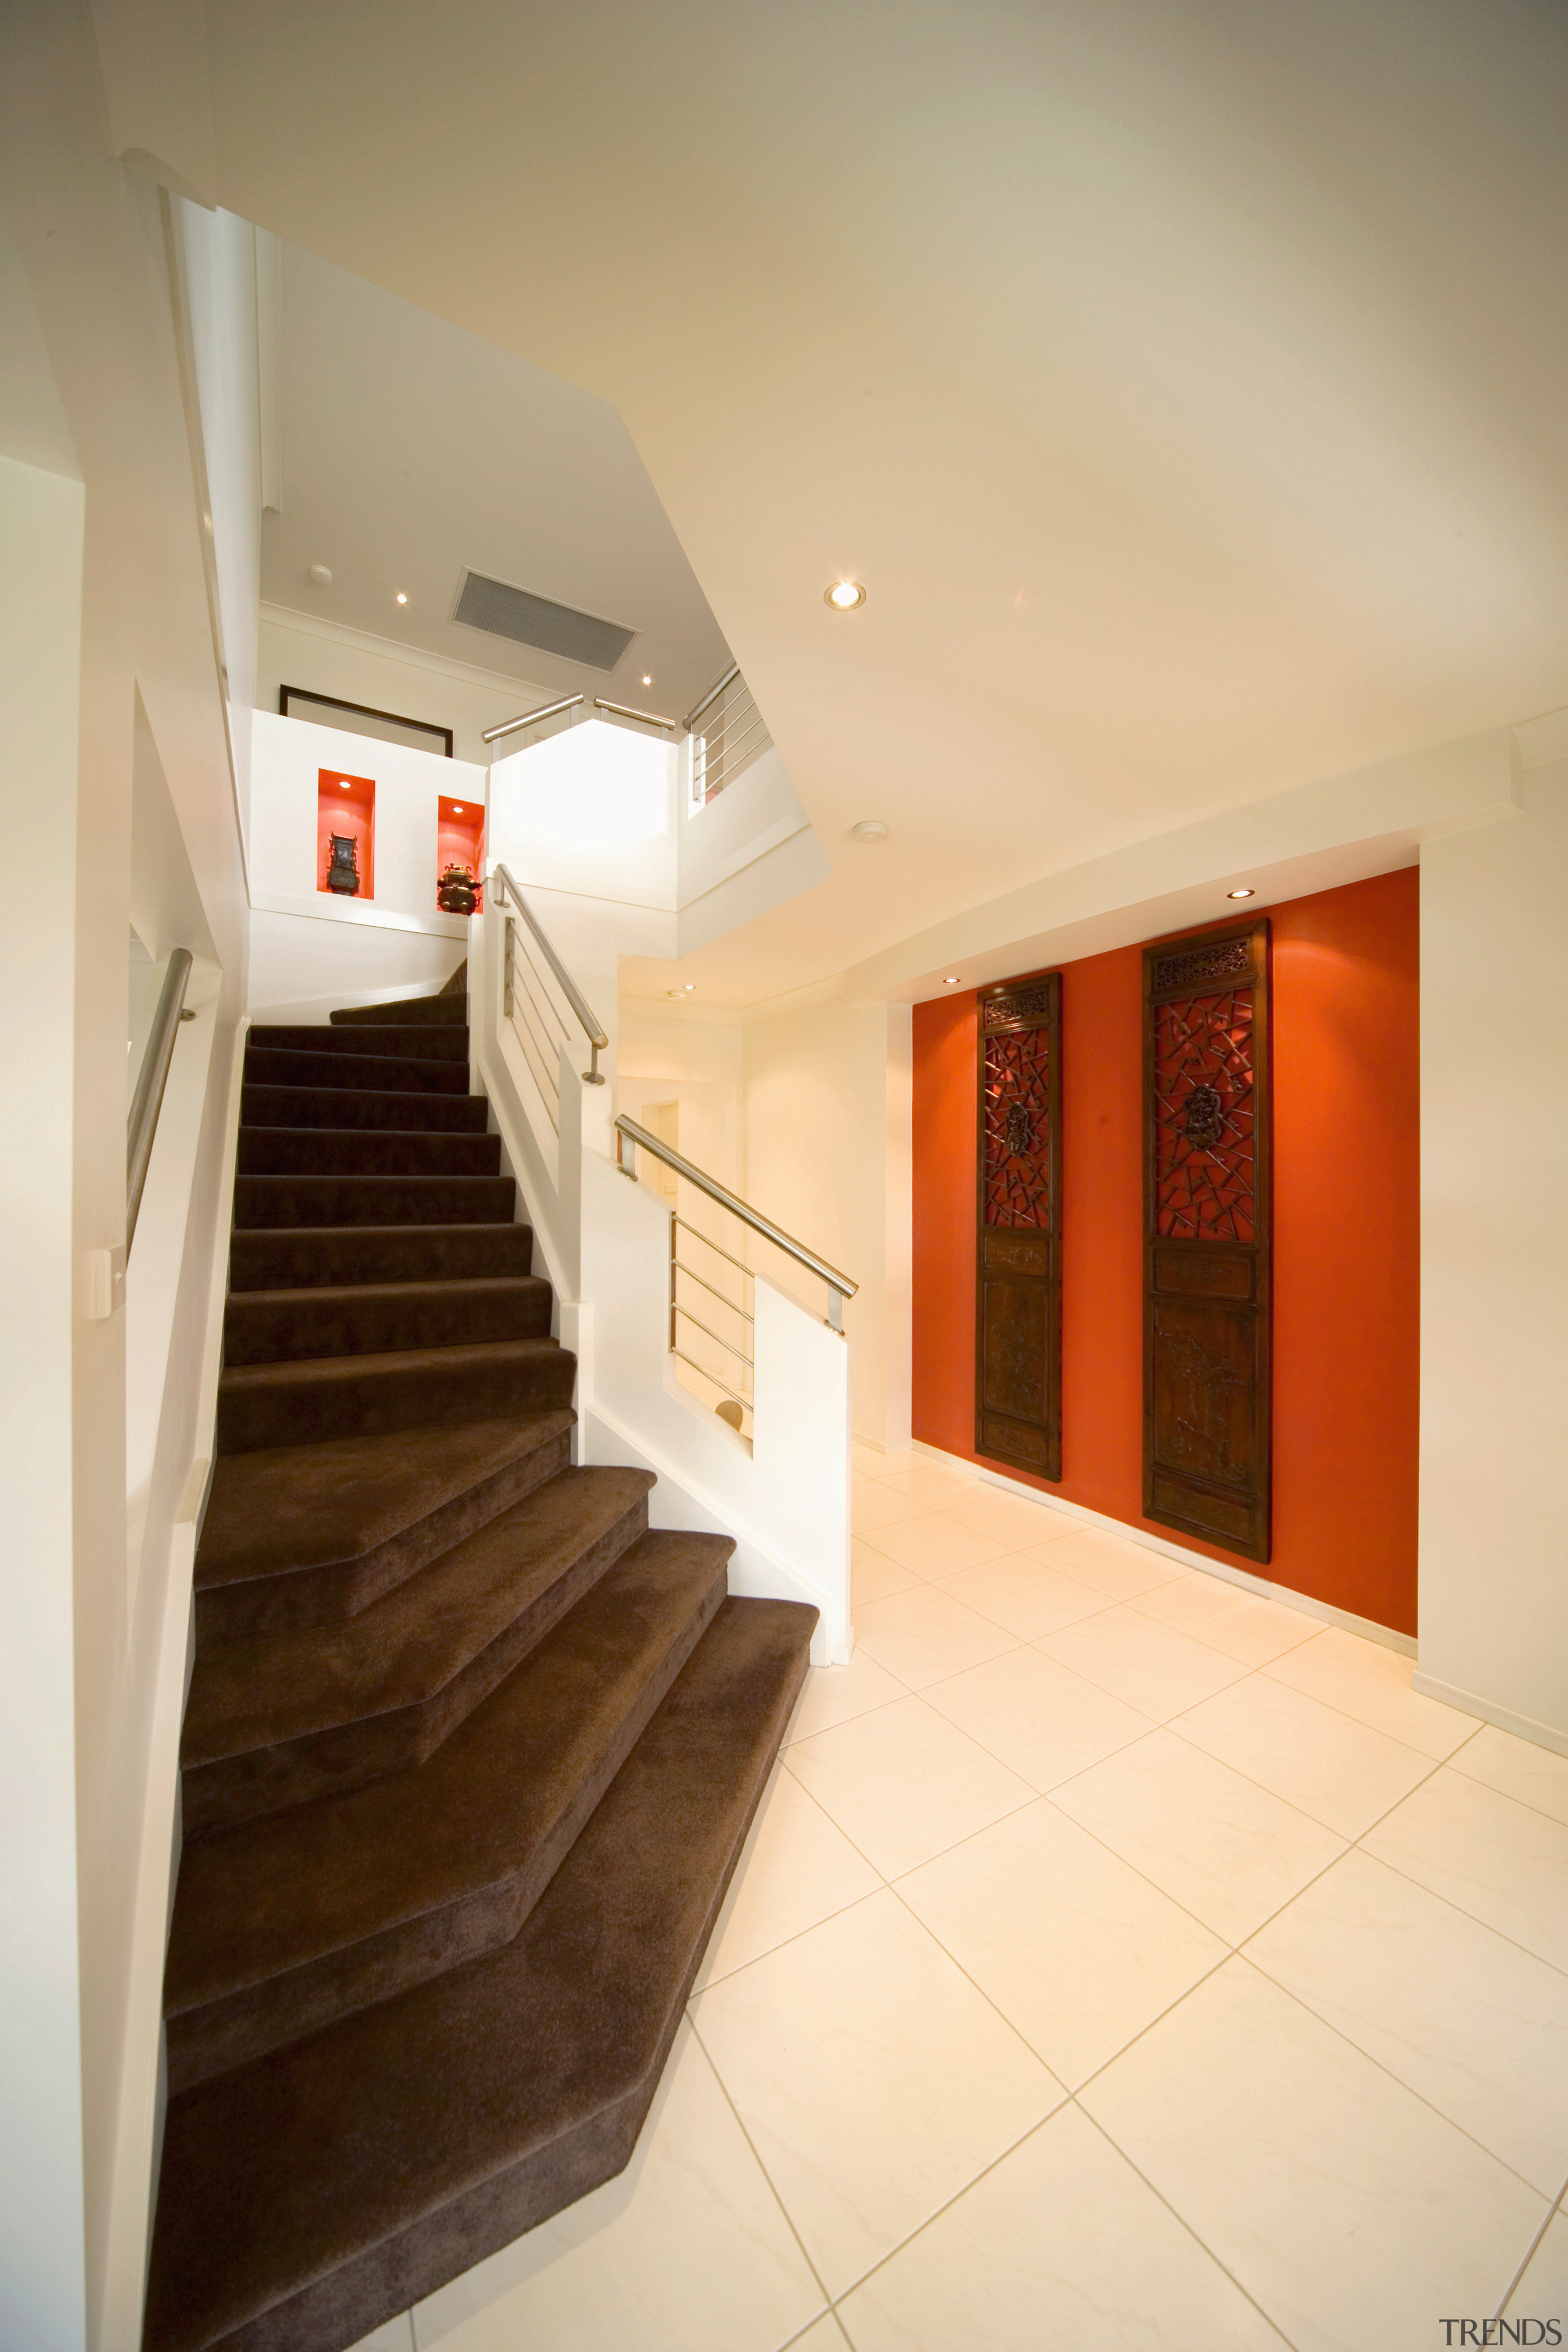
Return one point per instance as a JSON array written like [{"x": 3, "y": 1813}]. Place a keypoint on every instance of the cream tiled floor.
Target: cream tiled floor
[{"x": 1118, "y": 1960}]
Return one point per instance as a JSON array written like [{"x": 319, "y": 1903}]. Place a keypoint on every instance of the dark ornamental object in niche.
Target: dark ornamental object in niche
[
  {"x": 1208, "y": 1239},
  {"x": 1017, "y": 1341},
  {"x": 343, "y": 870},
  {"x": 457, "y": 893},
  {"x": 1202, "y": 1116}
]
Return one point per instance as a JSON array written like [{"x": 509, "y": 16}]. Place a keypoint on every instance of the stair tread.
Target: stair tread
[
  {"x": 365, "y": 1151},
  {"x": 357, "y": 1512},
  {"x": 326, "y": 1254},
  {"x": 386, "y": 1108},
  {"x": 264, "y": 1202},
  {"x": 478, "y": 1829},
  {"x": 298, "y": 1066},
  {"x": 405, "y": 1648},
  {"x": 330, "y": 1371},
  {"x": 414, "y": 1040},
  {"x": 439, "y": 1012},
  {"x": 358, "y": 2169},
  {"x": 342, "y": 1319}
]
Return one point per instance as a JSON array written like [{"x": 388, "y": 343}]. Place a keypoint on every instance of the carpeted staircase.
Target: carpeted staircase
[{"x": 469, "y": 1751}]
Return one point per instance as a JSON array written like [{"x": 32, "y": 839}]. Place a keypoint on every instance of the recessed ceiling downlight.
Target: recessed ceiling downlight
[
  {"x": 843, "y": 595},
  {"x": 1247, "y": 893},
  {"x": 951, "y": 981},
  {"x": 870, "y": 829},
  {"x": 321, "y": 575}
]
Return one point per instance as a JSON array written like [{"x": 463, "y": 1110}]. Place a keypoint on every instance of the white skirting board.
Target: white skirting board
[
  {"x": 1366, "y": 1626},
  {"x": 1523, "y": 1727}
]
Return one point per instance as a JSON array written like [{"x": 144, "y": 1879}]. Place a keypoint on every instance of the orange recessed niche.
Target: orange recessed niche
[
  {"x": 459, "y": 844},
  {"x": 345, "y": 814}
]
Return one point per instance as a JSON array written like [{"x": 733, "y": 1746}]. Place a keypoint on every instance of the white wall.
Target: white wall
[
  {"x": 298, "y": 649},
  {"x": 742, "y": 853},
  {"x": 87, "y": 309},
  {"x": 1494, "y": 1298},
  {"x": 310, "y": 951},
  {"x": 828, "y": 1158}
]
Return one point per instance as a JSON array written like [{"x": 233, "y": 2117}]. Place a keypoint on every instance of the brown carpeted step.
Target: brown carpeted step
[
  {"x": 297, "y": 1257},
  {"x": 421, "y": 1041},
  {"x": 356, "y": 1151},
  {"x": 372, "y": 1071},
  {"x": 341, "y": 1106},
  {"x": 357, "y": 1396},
  {"x": 299, "y": 1534},
  {"x": 284, "y": 1924},
  {"x": 306, "y": 2197},
  {"x": 443, "y": 1011},
  {"x": 298, "y": 1715},
  {"x": 273, "y": 1327},
  {"x": 372, "y": 1200}
]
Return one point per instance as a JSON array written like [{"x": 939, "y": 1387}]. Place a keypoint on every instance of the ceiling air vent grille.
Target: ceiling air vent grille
[{"x": 535, "y": 621}]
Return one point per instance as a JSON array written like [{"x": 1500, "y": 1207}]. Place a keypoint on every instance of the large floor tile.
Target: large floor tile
[
  {"x": 1060, "y": 2248},
  {"x": 874, "y": 1576},
  {"x": 1542, "y": 2292},
  {"x": 1355, "y": 2216},
  {"x": 903, "y": 1783},
  {"x": 1364, "y": 1679},
  {"x": 1518, "y": 1769},
  {"x": 866, "y": 1462},
  {"x": 873, "y": 1505},
  {"x": 1463, "y": 2016},
  {"x": 929, "y": 1482},
  {"x": 1500, "y": 1861},
  {"x": 687, "y": 2251},
  {"x": 836, "y": 1693},
  {"x": 925, "y": 1635},
  {"x": 1217, "y": 1844},
  {"x": 1160, "y": 1673},
  {"x": 1042, "y": 1721},
  {"x": 1075, "y": 1949},
  {"x": 824, "y": 2335},
  {"x": 1013, "y": 1519},
  {"x": 1117, "y": 1569},
  {"x": 796, "y": 1869},
  {"x": 872, "y": 2078},
  {"x": 1241, "y": 1625},
  {"x": 1024, "y": 1597},
  {"x": 933, "y": 1545},
  {"x": 1342, "y": 1772}
]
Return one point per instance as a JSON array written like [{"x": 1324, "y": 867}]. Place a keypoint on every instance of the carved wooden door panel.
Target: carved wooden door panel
[
  {"x": 1207, "y": 1198},
  {"x": 1018, "y": 1339}
]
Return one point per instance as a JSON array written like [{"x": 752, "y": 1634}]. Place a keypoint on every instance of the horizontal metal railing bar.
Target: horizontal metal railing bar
[
  {"x": 545, "y": 711},
  {"x": 740, "y": 1395},
  {"x": 697, "y": 1234},
  {"x": 624, "y": 711},
  {"x": 737, "y": 711},
  {"x": 522, "y": 967},
  {"x": 538, "y": 1070},
  {"x": 574, "y": 995},
  {"x": 700, "y": 1326},
  {"x": 682, "y": 1268},
  {"x": 737, "y": 1207},
  {"x": 147, "y": 1101},
  {"x": 730, "y": 675}
]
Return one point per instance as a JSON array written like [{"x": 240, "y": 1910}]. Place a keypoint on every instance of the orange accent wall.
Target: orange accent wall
[
  {"x": 1346, "y": 1242},
  {"x": 346, "y": 804}
]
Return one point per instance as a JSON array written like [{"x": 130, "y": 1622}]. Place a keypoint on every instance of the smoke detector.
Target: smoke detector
[{"x": 869, "y": 829}]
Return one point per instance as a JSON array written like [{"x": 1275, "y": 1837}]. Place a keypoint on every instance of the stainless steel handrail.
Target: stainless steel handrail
[
  {"x": 624, "y": 711},
  {"x": 147, "y": 1101},
  {"x": 597, "y": 1040},
  {"x": 839, "y": 1286},
  {"x": 545, "y": 711},
  {"x": 730, "y": 675}
]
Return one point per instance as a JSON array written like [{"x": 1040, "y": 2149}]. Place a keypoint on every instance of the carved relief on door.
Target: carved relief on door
[
  {"x": 1207, "y": 1238},
  {"x": 1017, "y": 1367}
]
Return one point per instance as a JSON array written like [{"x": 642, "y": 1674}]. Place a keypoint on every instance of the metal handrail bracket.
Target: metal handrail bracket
[
  {"x": 839, "y": 1286},
  {"x": 142, "y": 1123},
  {"x": 597, "y": 1040}
]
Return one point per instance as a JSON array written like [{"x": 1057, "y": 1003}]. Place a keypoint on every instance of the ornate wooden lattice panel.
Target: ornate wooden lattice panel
[
  {"x": 1017, "y": 1340},
  {"x": 1207, "y": 1314}
]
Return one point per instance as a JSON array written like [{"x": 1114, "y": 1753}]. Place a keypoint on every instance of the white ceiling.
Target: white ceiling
[
  {"x": 1187, "y": 380},
  {"x": 412, "y": 451}
]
